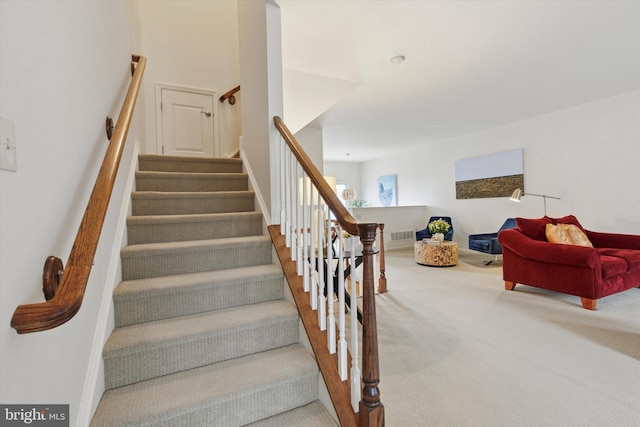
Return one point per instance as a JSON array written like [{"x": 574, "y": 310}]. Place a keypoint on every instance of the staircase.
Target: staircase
[{"x": 204, "y": 336}]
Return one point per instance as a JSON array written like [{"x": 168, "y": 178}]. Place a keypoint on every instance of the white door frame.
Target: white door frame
[{"x": 159, "y": 133}]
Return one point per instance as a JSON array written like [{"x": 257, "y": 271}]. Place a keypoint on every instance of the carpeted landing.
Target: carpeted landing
[
  {"x": 204, "y": 336},
  {"x": 456, "y": 349}
]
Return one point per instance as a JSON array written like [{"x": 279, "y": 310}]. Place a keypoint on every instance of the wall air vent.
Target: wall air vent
[{"x": 403, "y": 235}]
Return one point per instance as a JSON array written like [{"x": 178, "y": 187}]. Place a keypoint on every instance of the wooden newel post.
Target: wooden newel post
[
  {"x": 371, "y": 408},
  {"x": 382, "y": 283}
]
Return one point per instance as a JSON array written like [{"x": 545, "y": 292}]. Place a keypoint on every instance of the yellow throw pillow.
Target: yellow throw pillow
[
  {"x": 566, "y": 234},
  {"x": 577, "y": 236},
  {"x": 557, "y": 234}
]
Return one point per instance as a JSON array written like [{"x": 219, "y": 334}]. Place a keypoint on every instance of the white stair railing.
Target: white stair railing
[
  {"x": 312, "y": 219},
  {"x": 316, "y": 244}
]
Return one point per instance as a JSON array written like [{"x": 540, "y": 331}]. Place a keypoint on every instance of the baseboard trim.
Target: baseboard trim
[
  {"x": 94, "y": 379},
  {"x": 252, "y": 181}
]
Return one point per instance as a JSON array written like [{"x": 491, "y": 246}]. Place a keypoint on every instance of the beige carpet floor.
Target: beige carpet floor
[{"x": 456, "y": 349}]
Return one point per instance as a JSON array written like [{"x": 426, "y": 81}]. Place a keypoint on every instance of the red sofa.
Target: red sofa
[{"x": 612, "y": 265}]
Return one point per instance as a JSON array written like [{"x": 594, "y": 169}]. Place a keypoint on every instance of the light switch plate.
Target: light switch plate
[{"x": 8, "y": 149}]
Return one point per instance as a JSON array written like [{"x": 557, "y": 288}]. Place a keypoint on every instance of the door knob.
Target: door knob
[{"x": 206, "y": 113}]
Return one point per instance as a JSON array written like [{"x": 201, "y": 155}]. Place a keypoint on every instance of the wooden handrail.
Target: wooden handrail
[
  {"x": 343, "y": 216},
  {"x": 68, "y": 298},
  {"x": 230, "y": 95},
  {"x": 371, "y": 410}
]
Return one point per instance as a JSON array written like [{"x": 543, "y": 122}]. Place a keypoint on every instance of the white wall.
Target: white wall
[
  {"x": 192, "y": 44},
  {"x": 307, "y": 96},
  {"x": 261, "y": 79},
  {"x": 311, "y": 141},
  {"x": 64, "y": 67},
  {"x": 400, "y": 223},
  {"x": 587, "y": 155},
  {"x": 348, "y": 172}
]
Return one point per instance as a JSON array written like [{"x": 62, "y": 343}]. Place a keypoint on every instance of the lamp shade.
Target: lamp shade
[
  {"x": 349, "y": 194},
  {"x": 331, "y": 180},
  {"x": 517, "y": 195}
]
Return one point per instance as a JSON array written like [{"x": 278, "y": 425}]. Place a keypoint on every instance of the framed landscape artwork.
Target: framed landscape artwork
[{"x": 493, "y": 175}]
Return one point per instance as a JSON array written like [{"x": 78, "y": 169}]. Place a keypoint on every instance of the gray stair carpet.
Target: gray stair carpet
[
  {"x": 311, "y": 415},
  {"x": 204, "y": 336}
]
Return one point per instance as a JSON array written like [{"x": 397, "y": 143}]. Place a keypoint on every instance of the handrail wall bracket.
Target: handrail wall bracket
[
  {"x": 229, "y": 96},
  {"x": 109, "y": 128},
  {"x": 51, "y": 276}
]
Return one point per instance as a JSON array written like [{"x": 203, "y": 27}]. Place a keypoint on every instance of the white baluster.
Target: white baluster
[
  {"x": 293, "y": 164},
  {"x": 331, "y": 319},
  {"x": 283, "y": 191},
  {"x": 287, "y": 176},
  {"x": 300, "y": 229},
  {"x": 355, "y": 350},
  {"x": 296, "y": 252},
  {"x": 322, "y": 281},
  {"x": 342, "y": 340},
  {"x": 313, "y": 263},
  {"x": 306, "y": 271}
]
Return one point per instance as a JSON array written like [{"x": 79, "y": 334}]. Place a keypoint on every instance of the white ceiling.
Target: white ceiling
[{"x": 470, "y": 65}]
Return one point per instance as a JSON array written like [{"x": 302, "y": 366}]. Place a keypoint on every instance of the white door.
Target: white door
[{"x": 187, "y": 122}]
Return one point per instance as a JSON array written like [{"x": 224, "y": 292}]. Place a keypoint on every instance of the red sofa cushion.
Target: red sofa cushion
[
  {"x": 612, "y": 266},
  {"x": 630, "y": 257},
  {"x": 533, "y": 228}
]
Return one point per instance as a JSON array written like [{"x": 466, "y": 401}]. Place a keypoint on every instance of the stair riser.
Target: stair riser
[
  {"x": 192, "y": 165},
  {"x": 138, "y": 232},
  {"x": 200, "y": 351},
  {"x": 195, "y": 183},
  {"x": 187, "y": 260},
  {"x": 207, "y": 297},
  {"x": 160, "y": 204},
  {"x": 311, "y": 415}
]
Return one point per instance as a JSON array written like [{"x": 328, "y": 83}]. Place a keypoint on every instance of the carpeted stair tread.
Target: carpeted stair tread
[
  {"x": 165, "y": 228},
  {"x": 311, "y": 415},
  {"x": 169, "y": 258},
  {"x": 136, "y": 338},
  {"x": 144, "y": 300},
  {"x": 178, "y": 202},
  {"x": 147, "y": 350},
  {"x": 147, "y": 288},
  {"x": 231, "y": 393},
  {"x": 154, "y": 162},
  {"x": 192, "y": 182}
]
